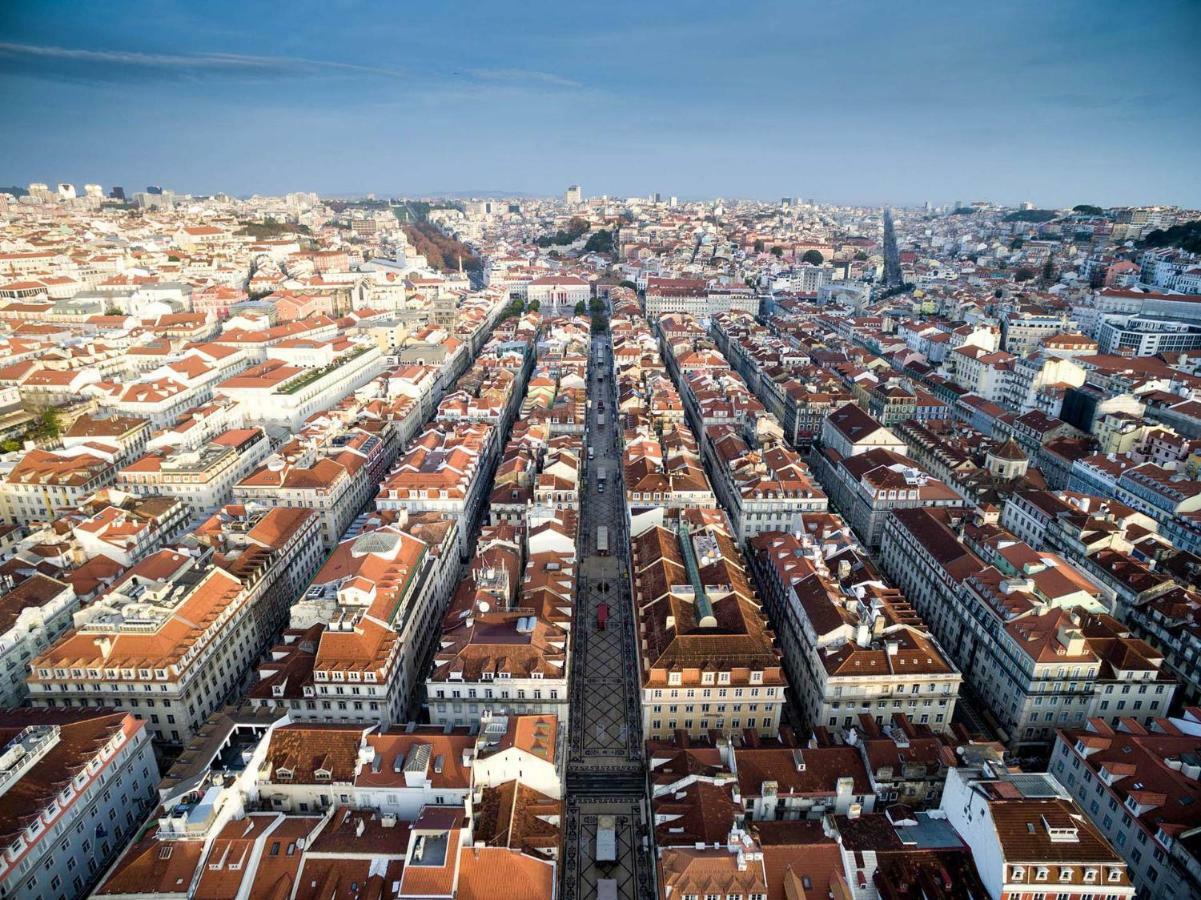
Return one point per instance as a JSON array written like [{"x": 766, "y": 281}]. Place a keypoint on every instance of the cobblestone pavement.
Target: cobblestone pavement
[{"x": 629, "y": 871}]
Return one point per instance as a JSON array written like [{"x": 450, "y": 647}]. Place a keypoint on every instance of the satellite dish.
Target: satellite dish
[{"x": 484, "y": 606}]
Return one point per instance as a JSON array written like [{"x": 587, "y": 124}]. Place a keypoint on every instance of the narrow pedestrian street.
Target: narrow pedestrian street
[{"x": 605, "y": 772}]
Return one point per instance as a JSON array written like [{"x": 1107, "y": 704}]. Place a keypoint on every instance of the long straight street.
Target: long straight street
[
  {"x": 605, "y": 774},
  {"x": 892, "y": 256}
]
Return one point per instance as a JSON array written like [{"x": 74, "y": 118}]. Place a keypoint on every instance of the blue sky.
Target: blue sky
[{"x": 1055, "y": 101}]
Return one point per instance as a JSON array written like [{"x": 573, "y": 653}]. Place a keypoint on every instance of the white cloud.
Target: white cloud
[{"x": 193, "y": 63}]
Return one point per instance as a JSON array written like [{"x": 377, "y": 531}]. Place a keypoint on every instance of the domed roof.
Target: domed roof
[{"x": 1010, "y": 450}]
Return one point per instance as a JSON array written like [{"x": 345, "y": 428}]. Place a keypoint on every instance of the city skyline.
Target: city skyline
[
  {"x": 539, "y": 452},
  {"x": 857, "y": 104}
]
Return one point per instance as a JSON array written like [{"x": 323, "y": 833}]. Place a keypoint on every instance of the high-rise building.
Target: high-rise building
[{"x": 573, "y": 196}]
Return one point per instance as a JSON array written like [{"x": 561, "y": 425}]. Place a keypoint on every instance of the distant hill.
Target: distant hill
[{"x": 1032, "y": 215}]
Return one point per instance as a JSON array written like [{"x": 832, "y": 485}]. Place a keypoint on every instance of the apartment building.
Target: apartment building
[
  {"x": 163, "y": 395},
  {"x": 176, "y": 635},
  {"x": 1023, "y": 331},
  {"x": 396, "y": 771},
  {"x": 129, "y": 433},
  {"x": 906, "y": 763},
  {"x": 76, "y": 785},
  {"x": 705, "y": 651},
  {"x": 701, "y": 788},
  {"x": 1147, "y": 336},
  {"x": 504, "y": 645},
  {"x": 1027, "y": 836},
  {"x": 33, "y": 614},
  {"x": 1140, "y": 788},
  {"x": 446, "y": 470},
  {"x": 765, "y": 488},
  {"x": 279, "y": 395},
  {"x": 1163, "y": 494},
  {"x": 337, "y": 485},
  {"x": 664, "y": 469},
  {"x": 368, "y": 619},
  {"x": 402, "y": 812},
  {"x": 203, "y": 477},
  {"x": 670, "y": 295},
  {"x": 1146, "y": 576},
  {"x": 869, "y": 486},
  {"x": 849, "y": 431},
  {"x": 45, "y": 484},
  {"x": 852, "y": 646},
  {"x": 127, "y": 527},
  {"x": 1030, "y": 633}
]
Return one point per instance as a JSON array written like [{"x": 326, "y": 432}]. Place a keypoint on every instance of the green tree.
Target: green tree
[
  {"x": 758, "y": 245},
  {"x": 12, "y": 445},
  {"x": 1031, "y": 215},
  {"x": 599, "y": 242},
  {"x": 580, "y": 308},
  {"x": 777, "y": 252},
  {"x": 1049, "y": 271},
  {"x": 534, "y": 305},
  {"x": 1016, "y": 244},
  {"x": 1087, "y": 209},
  {"x": 1023, "y": 274},
  {"x": 1186, "y": 236},
  {"x": 860, "y": 256},
  {"x": 813, "y": 257},
  {"x": 628, "y": 284},
  {"x": 49, "y": 425}
]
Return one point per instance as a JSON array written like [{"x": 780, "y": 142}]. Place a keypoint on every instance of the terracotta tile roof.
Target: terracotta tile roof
[
  {"x": 297, "y": 753},
  {"x": 800, "y": 772},
  {"x": 440, "y": 755},
  {"x": 494, "y": 873},
  {"x": 281, "y": 857},
  {"x": 81, "y": 735},
  {"x": 154, "y": 868}
]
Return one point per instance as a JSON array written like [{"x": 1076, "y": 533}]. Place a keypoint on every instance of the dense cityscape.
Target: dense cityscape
[{"x": 597, "y": 547}]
